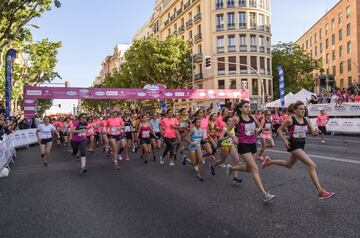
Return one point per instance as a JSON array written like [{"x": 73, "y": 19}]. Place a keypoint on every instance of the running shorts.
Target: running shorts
[
  {"x": 322, "y": 129},
  {"x": 247, "y": 148},
  {"x": 45, "y": 141},
  {"x": 296, "y": 144}
]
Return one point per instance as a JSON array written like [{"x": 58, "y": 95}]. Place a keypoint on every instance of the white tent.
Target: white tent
[{"x": 303, "y": 95}]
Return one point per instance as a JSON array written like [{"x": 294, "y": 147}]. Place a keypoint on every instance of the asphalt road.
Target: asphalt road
[{"x": 163, "y": 201}]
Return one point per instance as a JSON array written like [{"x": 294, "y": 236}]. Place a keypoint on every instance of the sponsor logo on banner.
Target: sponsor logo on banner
[
  {"x": 34, "y": 92},
  {"x": 222, "y": 94},
  {"x": 202, "y": 94},
  {"x": 71, "y": 93},
  {"x": 99, "y": 93},
  {"x": 29, "y": 101},
  {"x": 314, "y": 109},
  {"x": 347, "y": 124},
  {"x": 23, "y": 136},
  {"x": 84, "y": 92},
  {"x": 141, "y": 94},
  {"x": 29, "y": 108},
  {"x": 358, "y": 125},
  {"x": 327, "y": 109},
  {"x": 169, "y": 94},
  {"x": 32, "y": 135},
  {"x": 112, "y": 93},
  {"x": 17, "y": 137},
  {"x": 354, "y": 108},
  {"x": 179, "y": 94},
  {"x": 152, "y": 87},
  {"x": 332, "y": 124},
  {"x": 340, "y": 108}
]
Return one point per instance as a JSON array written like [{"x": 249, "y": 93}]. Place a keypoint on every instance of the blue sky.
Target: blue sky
[{"x": 89, "y": 30}]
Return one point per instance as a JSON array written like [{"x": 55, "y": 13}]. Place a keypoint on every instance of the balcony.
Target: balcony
[
  {"x": 243, "y": 71},
  {"x": 262, "y": 71},
  {"x": 253, "y": 48},
  {"x": 261, "y": 27},
  {"x": 242, "y": 25},
  {"x": 220, "y": 6},
  {"x": 268, "y": 72},
  {"x": 198, "y": 57},
  {"x": 232, "y": 71},
  {"x": 181, "y": 29},
  {"x": 178, "y": 12},
  {"x": 220, "y": 27},
  {"x": 220, "y": 49},
  {"x": 221, "y": 72},
  {"x": 242, "y": 3},
  {"x": 197, "y": 17},
  {"x": 175, "y": 32},
  {"x": 190, "y": 41},
  {"x": 198, "y": 76},
  {"x": 262, "y": 49},
  {"x": 198, "y": 37},
  {"x": 167, "y": 22},
  {"x": 231, "y": 26},
  {"x": 230, "y": 4},
  {"x": 253, "y": 27},
  {"x": 268, "y": 29},
  {"x": 243, "y": 48},
  {"x": 231, "y": 48},
  {"x": 172, "y": 17},
  {"x": 252, "y": 3},
  {"x": 189, "y": 24},
  {"x": 268, "y": 50},
  {"x": 186, "y": 5}
]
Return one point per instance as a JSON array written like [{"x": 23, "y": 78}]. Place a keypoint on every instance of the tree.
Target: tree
[
  {"x": 15, "y": 14},
  {"x": 298, "y": 67}
]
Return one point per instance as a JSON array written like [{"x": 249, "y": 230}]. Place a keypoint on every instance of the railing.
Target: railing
[
  {"x": 178, "y": 12},
  {"x": 186, "y": 5},
  {"x": 268, "y": 50},
  {"x": 262, "y": 49},
  {"x": 243, "y": 71},
  {"x": 197, "y": 17},
  {"x": 231, "y": 48},
  {"x": 230, "y": 4},
  {"x": 172, "y": 17},
  {"x": 189, "y": 23},
  {"x": 243, "y": 48},
  {"x": 232, "y": 71},
  {"x": 221, "y": 72},
  {"x": 231, "y": 26},
  {"x": 198, "y": 57},
  {"x": 242, "y": 25},
  {"x": 190, "y": 41},
  {"x": 220, "y": 5},
  {"x": 221, "y": 49},
  {"x": 181, "y": 29},
  {"x": 167, "y": 22},
  {"x": 253, "y": 27},
  {"x": 253, "y": 48},
  {"x": 175, "y": 32},
  {"x": 261, "y": 27},
  {"x": 220, "y": 27},
  {"x": 242, "y": 3},
  {"x": 198, "y": 37},
  {"x": 198, "y": 76}
]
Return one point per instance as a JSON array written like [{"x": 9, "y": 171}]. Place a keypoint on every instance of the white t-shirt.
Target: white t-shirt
[{"x": 45, "y": 132}]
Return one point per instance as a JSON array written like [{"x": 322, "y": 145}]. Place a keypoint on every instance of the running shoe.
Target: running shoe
[
  {"x": 325, "y": 194},
  {"x": 83, "y": 170},
  {"x": 212, "y": 158},
  {"x": 184, "y": 160},
  {"x": 266, "y": 162},
  {"x": 268, "y": 197},
  {"x": 322, "y": 141},
  {"x": 237, "y": 180},
  {"x": 154, "y": 158},
  {"x": 261, "y": 158},
  {"x": 78, "y": 157},
  {"x": 171, "y": 163},
  {"x": 45, "y": 163},
  {"x": 212, "y": 169},
  {"x": 199, "y": 178},
  {"x": 120, "y": 157},
  {"x": 228, "y": 170},
  {"x": 127, "y": 158},
  {"x": 162, "y": 160},
  {"x": 145, "y": 162},
  {"x": 196, "y": 168},
  {"x": 116, "y": 167}
]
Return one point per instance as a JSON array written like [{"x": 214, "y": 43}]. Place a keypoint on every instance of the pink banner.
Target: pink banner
[{"x": 133, "y": 93}]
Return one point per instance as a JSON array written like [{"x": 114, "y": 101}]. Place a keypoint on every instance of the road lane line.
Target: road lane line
[
  {"x": 326, "y": 146},
  {"x": 320, "y": 157},
  {"x": 335, "y": 140}
]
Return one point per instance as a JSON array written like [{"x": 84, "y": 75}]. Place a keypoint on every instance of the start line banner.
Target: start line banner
[
  {"x": 344, "y": 109},
  {"x": 152, "y": 92}
]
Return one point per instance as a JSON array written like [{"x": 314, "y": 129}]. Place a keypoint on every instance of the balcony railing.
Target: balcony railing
[
  {"x": 253, "y": 27},
  {"x": 232, "y": 71},
  {"x": 231, "y": 26},
  {"x": 268, "y": 50},
  {"x": 198, "y": 76},
  {"x": 268, "y": 29},
  {"x": 167, "y": 22},
  {"x": 220, "y": 27},
  {"x": 243, "y": 71},
  {"x": 186, "y": 5},
  {"x": 198, "y": 57},
  {"x": 242, "y": 3},
  {"x": 253, "y": 48},
  {"x": 197, "y": 17},
  {"x": 221, "y": 72},
  {"x": 262, "y": 71},
  {"x": 175, "y": 32},
  {"x": 190, "y": 41},
  {"x": 181, "y": 29},
  {"x": 230, "y": 4},
  {"x": 220, "y": 5},
  {"x": 178, "y": 12},
  {"x": 220, "y": 49},
  {"x": 243, "y": 48},
  {"x": 172, "y": 17},
  {"x": 189, "y": 23},
  {"x": 252, "y": 3},
  {"x": 261, "y": 27},
  {"x": 262, "y": 49},
  {"x": 198, "y": 37},
  {"x": 231, "y": 48},
  {"x": 242, "y": 25}
]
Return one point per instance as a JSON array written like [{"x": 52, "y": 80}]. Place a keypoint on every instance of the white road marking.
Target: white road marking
[
  {"x": 320, "y": 157},
  {"x": 326, "y": 146},
  {"x": 344, "y": 140}
]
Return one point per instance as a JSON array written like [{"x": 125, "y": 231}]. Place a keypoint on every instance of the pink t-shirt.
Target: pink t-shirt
[
  {"x": 357, "y": 98},
  {"x": 90, "y": 129},
  {"x": 168, "y": 131},
  {"x": 322, "y": 120},
  {"x": 204, "y": 123},
  {"x": 220, "y": 124},
  {"x": 114, "y": 126}
]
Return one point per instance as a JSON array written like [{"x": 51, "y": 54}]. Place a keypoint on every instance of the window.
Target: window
[
  {"x": 332, "y": 24},
  {"x": 268, "y": 64},
  {"x": 252, "y": 20},
  {"x": 242, "y": 20},
  {"x": 255, "y": 87},
  {"x": 315, "y": 38},
  {"x": 315, "y": 51},
  {"x": 311, "y": 41},
  {"x": 340, "y": 18},
  {"x": 307, "y": 44},
  {"x": 253, "y": 62},
  {"x": 327, "y": 72},
  {"x": 261, "y": 4},
  {"x": 232, "y": 65},
  {"x": 333, "y": 55},
  {"x": 220, "y": 44},
  {"x": 232, "y": 83},
  {"x": 243, "y": 69},
  {"x": 221, "y": 66},
  {"x": 333, "y": 39},
  {"x": 347, "y": 11},
  {"x": 230, "y": 3},
  {"x": 340, "y": 52},
  {"x": 348, "y": 29},
  {"x": 252, "y": 3},
  {"x": 219, "y": 4},
  {"x": 327, "y": 59},
  {"x": 320, "y": 34},
  {"x": 242, "y": 3},
  {"x": 341, "y": 68},
  {"x": 349, "y": 81},
  {"x": 220, "y": 22},
  {"x": 243, "y": 40},
  {"x": 348, "y": 48},
  {"x": 327, "y": 43},
  {"x": 253, "y": 40},
  {"x": 231, "y": 20},
  {"x": 321, "y": 48},
  {"x": 341, "y": 83},
  {"x": 326, "y": 29},
  {"x": 244, "y": 84},
  {"x": 231, "y": 43},
  {"x": 262, "y": 65},
  {"x": 261, "y": 22},
  {"x": 261, "y": 44},
  {"x": 349, "y": 65},
  {"x": 340, "y": 34},
  {"x": 221, "y": 84},
  {"x": 334, "y": 70}
]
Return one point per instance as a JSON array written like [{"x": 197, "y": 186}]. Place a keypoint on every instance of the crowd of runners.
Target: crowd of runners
[{"x": 204, "y": 139}]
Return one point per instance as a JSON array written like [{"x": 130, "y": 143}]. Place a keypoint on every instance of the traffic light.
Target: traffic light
[
  {"x": 66, "y": 84},
  {"x": 208, "y": 62},
  {"x": 59, "y": 105}
]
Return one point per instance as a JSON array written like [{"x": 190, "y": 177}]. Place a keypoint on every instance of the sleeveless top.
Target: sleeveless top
[
  {"x": 79, "y": 126},
  {"x": 246, "y": 131},
  {"x": 127, "y": 124},
  {"x": 155, "y": 125},
  {"x": 144, "y": 132},
  {"x": 197, "y": 136},
  {"x": 298, "y": 131},
  {"x": 228, "y": 141},
  {"x": 267, "y": 125}
]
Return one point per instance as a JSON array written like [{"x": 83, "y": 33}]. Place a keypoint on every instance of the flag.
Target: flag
[
  {"x": 282, "y": 88},
  {"x": 10, "y": 57}
]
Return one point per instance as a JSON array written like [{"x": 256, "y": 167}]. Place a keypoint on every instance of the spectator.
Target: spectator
[{"x": 357, "y": 97}]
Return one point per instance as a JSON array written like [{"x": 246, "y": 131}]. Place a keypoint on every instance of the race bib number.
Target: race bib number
[
  {"x": 146, "y": 134},
  {"x": 91, "y": 130},
  {"x": 81, "y": 134},
  {"x": 127, "y": 128},
  {"x": 323, "y": 121},
  {"x": 197, "y": 141},
  {"x": 183, "y": 124},
  {"x": 230, "y": 141},
  {"x": 268, "y": 125},
  {"x": 156, "y": 130},
  {"x": 300, "y": 131},
  {"x": 250, "y": 129},
  {"x": 114, "y": 131}
]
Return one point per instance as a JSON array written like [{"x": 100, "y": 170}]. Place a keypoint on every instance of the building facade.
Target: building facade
[
  {"x": 111, "y": 63},
  {"x": 334, "y": 40},
  {"x": 230, "y": 32}
]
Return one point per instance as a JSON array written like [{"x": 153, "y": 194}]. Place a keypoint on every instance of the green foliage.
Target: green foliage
[
  {"x": 298, "y": 67},
  {"x": 43, "y": 105}
]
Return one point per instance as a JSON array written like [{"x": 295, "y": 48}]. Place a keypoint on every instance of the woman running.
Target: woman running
[
  {"x": 104, "y": 135},
  {"x": 155, "y": 140},
  {"x": 128, "y": 133},
  {"x": 169, "y": 126},
  {"x": 90, "y": 134},
  {"x": 275, "y": 121},
  {"x": 220, "y": 124},
  {"x": 265, "y": 135},
  {"x": 182, "y": 130},
  {"x": 145, "y": 132},
  {"x": 44, "y": 134},
  {"x": 196, "y": 159},
  {"x": 78, "y": 141},
  {"x": 204, "y": 123},
  {"x": 297, "y": 126},
  {"x": 212, "y": 129},
  {"x": 321, "y": 121},
  {"x": 227, "y": 141},
  {"x": 115, "y": 125},
  {"x": 246, "y": 126}
]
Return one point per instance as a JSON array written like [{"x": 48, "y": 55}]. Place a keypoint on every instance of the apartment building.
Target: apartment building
[
  {"x": 334, "y": 40},
  {"x": 230, "y": 31}
]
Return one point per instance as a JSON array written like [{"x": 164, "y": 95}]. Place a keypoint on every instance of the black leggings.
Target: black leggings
[
  {"x": 170, "y": 146},
  {"x": 79, "y": 146}
]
